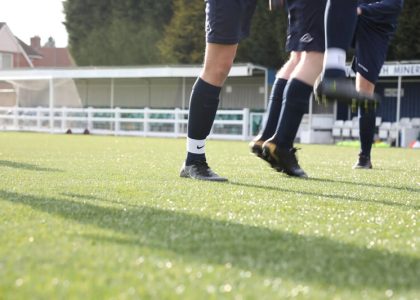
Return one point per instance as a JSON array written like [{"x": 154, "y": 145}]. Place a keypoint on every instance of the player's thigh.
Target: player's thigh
[{"x": 227, "y": 22}]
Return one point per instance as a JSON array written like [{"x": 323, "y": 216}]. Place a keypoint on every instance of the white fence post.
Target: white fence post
[
  {"x": 64, "y": 118},
  {"x": 176, "y": 124},
  {"x": 245, "y": 124},
  {"x": 146, "y": 121},
  {"x": 90, "y": 119},
  {"x": 38, "y": 118},
  {"x": 15, "y": 118},
  {"x": 51, "y": 104},
  {"x": 251, "y": 122},
  {"x": 117, "y": 116},
  {"x": 51, "y": 115}
]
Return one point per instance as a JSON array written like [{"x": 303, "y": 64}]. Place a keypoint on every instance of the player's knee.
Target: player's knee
[
  {"x": 364, "y": 85},
  {"x": 222, "y": 69},
  {"x": 217, "y": 73}
]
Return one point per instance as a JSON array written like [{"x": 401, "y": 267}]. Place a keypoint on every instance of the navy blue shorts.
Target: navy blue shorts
[
  {"x": 306, "y": 25},
  {"x": 371, "y": 44},
  {"x": 228, "y": 21}
]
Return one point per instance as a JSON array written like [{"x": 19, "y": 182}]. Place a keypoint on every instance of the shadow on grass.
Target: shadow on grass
[
  {"x": 364, "y": 184},
  {"x": 83, "y": 198},
  {"x": 329, "y": 196},
  {"x": 268, "y": 252},
  {"x": 79, "y": 196},
  {"x": 25, "y": 166}
]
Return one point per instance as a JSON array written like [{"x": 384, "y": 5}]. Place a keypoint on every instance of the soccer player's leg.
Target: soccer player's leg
[
  {"x": 274, "y": 106},
  {"x": 340, "y": 24},
  {"x": 279, "y": 148},
  {"x": 225, "y": 26},
  {"x": 203, "y": 107},
  {"x": 371, "y": 47},
  {"x": 305, "y": 35},
  {"x": 367, "y": 117}
]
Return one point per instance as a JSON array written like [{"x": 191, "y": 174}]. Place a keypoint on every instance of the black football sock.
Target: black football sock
[
  {"x": 203, "y": 107},
  {"x": 295, "y": 105},
  {"x": 334, "y": 73},
  {"x": 274, "y": 108},
  {"x": 366, "y": 129}
]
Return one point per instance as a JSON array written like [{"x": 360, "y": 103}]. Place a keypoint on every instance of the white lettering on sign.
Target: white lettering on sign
[
  {"x": 393, "y": 93},
  {"x": 400, "y": 70}
]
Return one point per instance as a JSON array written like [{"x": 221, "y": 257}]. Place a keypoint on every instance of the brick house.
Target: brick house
[
  {"x": 14, "y": 53},
  {"x": 51, "y": 56}
]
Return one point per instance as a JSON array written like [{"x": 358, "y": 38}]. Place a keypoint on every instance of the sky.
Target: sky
[{"x": 28, "y": 18}]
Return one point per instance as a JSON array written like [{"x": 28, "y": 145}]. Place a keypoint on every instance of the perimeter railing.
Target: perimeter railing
[{"x": 229, "y": 124}]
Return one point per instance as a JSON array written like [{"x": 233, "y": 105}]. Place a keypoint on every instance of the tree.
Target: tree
[
  {"x": 266, "y": 43},
  {"x": 116, "y": 32},
  {"x": 183, "y": 41},
  {"x": 137, "y": 32},
  {"x": 406, "y": 44}
]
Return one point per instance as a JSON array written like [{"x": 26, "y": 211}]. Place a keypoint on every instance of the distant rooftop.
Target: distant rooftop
[{"x": 28, "y": 49}]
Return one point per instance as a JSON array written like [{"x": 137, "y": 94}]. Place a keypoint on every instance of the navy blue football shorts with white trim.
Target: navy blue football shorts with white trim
[
  {"x": 306, "y": 25},
  {"x": 228, "y": 21},
  {"x": 371, "y": 45}
]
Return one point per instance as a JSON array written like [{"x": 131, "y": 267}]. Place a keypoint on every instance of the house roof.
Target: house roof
[
  {"x": 1, "y": 24},
  {"x": 31, "y": 52}
]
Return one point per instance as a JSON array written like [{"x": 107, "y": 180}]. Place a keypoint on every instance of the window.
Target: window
[{"x": 6, "y": 61}]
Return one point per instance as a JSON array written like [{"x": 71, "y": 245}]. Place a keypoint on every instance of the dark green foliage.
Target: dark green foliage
[
  {"x": 138, "y": 32},
  {"x": 116, "y": 32},
  {"x": 266, "y": 43},
  {"x": 406, "y": 44},
  {"x": 184, "y": 38}
]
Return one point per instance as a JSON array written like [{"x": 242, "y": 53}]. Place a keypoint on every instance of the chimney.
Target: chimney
[{"x": 36, "y": 42}]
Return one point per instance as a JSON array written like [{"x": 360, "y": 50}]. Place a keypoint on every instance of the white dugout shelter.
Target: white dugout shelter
[{"x": 129, "y": 87}]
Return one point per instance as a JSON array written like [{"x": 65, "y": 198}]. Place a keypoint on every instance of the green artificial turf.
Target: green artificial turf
[{"x": 89, "y": 217}]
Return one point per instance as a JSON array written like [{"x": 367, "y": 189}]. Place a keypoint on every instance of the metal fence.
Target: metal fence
[{"x": 229, "y": 124}]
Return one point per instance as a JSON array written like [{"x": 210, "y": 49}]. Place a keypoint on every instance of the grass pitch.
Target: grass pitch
[{"x": 88, "y": 217}]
